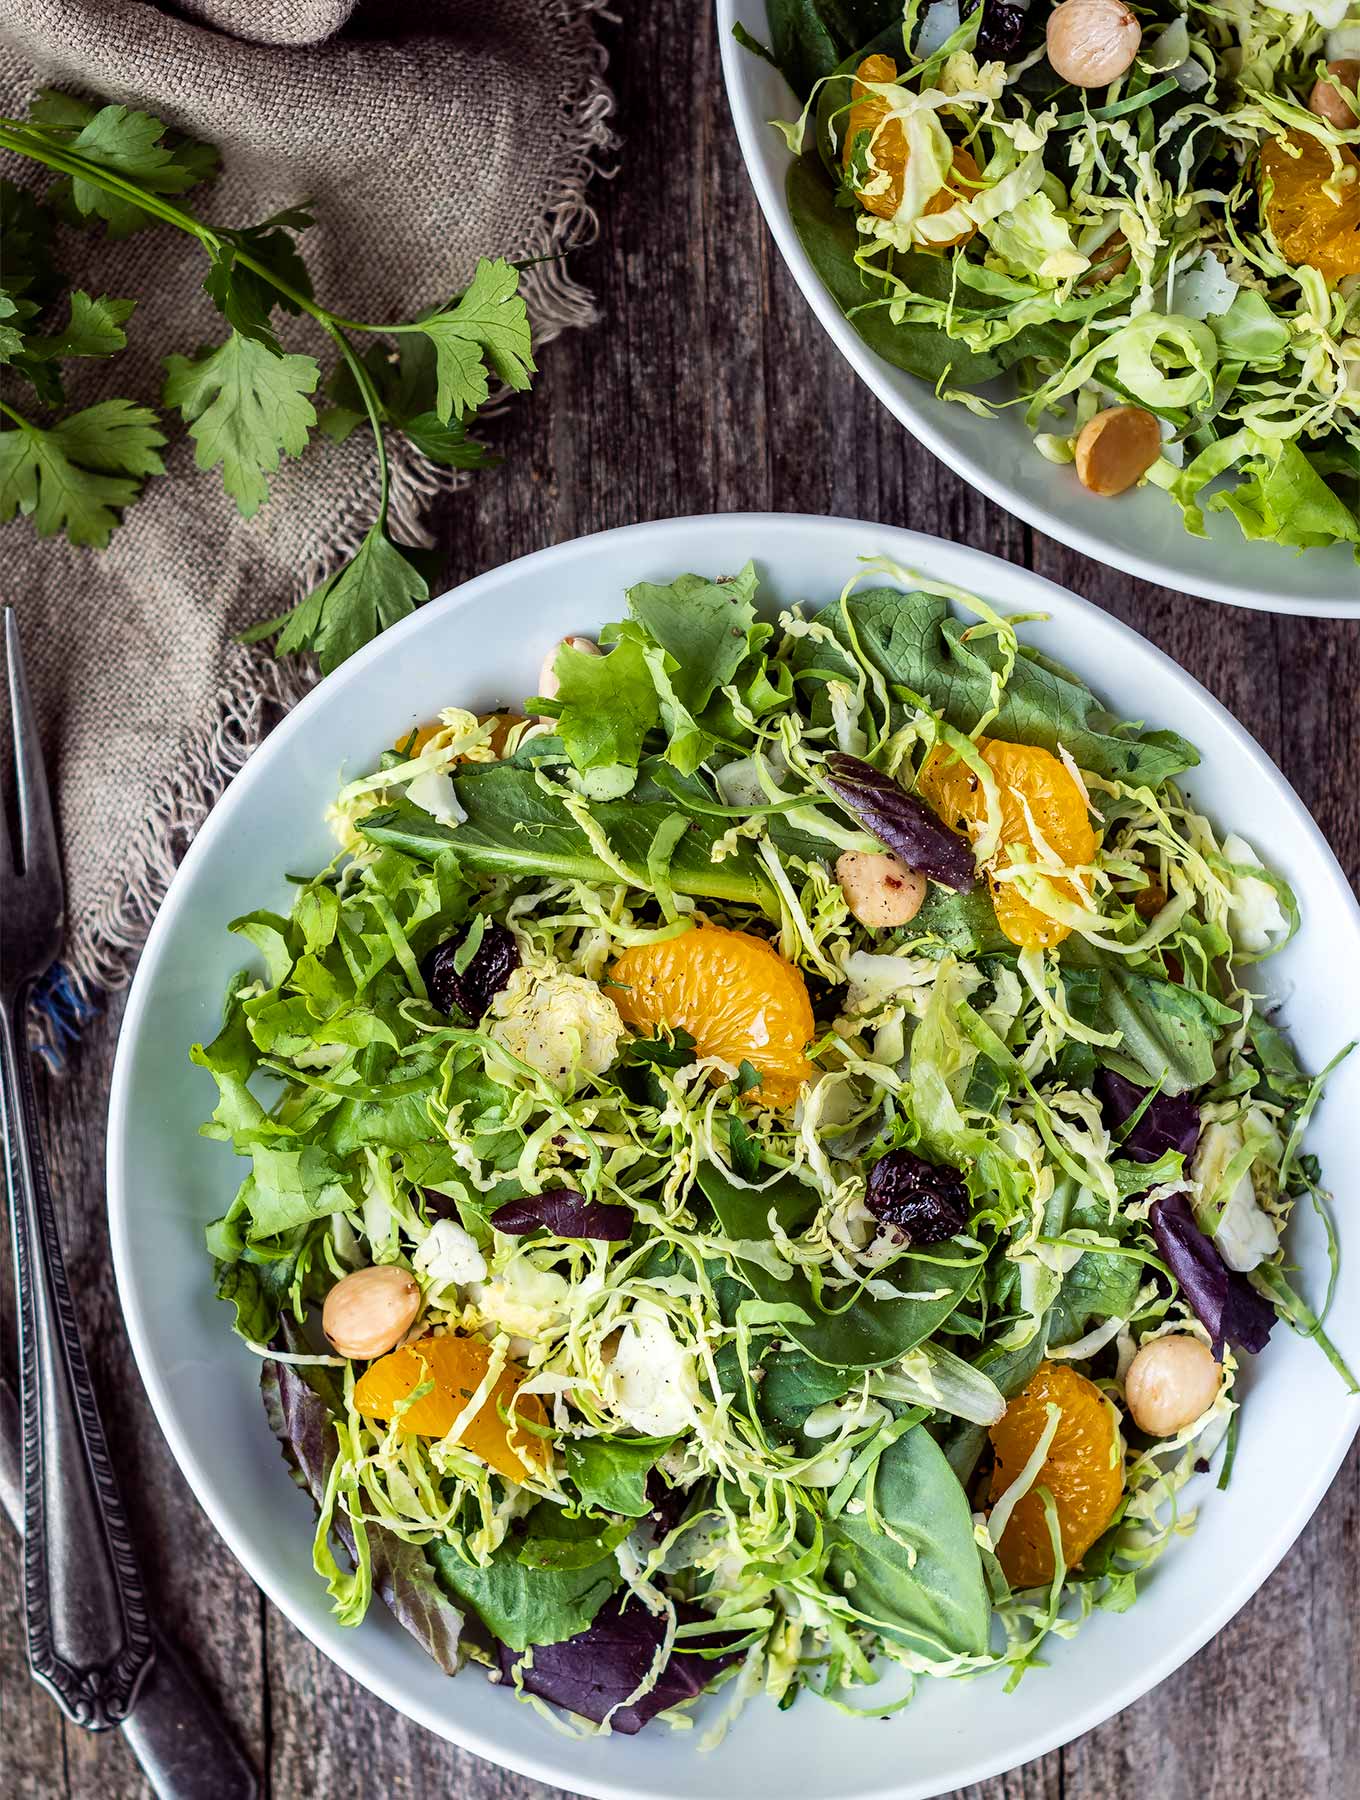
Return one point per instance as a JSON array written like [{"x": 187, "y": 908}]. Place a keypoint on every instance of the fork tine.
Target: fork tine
[{"x": 37, "y": 827}]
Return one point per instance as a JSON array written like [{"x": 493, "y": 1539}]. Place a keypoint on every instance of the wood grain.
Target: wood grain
[{"x": 708, "y": 386}]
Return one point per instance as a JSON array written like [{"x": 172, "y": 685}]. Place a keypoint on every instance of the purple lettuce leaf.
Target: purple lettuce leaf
[
  {"x": 1170, "y": 1121},
  {"x": 1225, "y": 1303},
  {"x": 565, "y": 1214},
  {"x": 902, "y": 822},
  {"x": 402, "y": 1576},
  {"x": 589, "y": 1673}
]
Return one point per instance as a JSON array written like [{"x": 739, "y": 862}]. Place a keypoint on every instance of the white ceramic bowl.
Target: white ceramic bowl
[
  {"x": 479, "y": 646},
  {"x": 1140, "y": 532}
]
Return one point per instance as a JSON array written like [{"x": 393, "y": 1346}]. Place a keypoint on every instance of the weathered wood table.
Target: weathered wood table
[{"x": 708, "y": 386}]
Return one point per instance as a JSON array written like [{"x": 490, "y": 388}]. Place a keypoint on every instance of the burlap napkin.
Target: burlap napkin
[{"x": 426, "y": 134}]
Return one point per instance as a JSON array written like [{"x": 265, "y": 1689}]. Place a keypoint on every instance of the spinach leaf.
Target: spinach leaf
[
  {"x": 793, "y": 1385},
  {"x": 522, "y": 1604},
  {"x": 810, "y": 38},
  {"x": 514, "y": 827},
  {"x": 928, "y": 1591},
  {"x": 861, "y": 1334},
  {"x": 827, "y": 232},
  {"x": 611, "y": 1473},
  {"x": 963, "y": 923},
  {"x": 917, "y": 644},
  {"x": 1284, "y": 1073}
]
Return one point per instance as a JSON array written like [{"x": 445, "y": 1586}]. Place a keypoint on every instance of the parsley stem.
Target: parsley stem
[
  {"x": 364, "y": 382},
  {"x": 23, "y": 140},
  {"x": 319, "y": 313}
]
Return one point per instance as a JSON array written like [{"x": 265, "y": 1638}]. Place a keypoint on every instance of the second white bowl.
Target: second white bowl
[{"x": 1140, "y": 532}]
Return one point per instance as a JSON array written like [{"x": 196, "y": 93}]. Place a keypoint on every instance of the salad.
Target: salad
[
  {"x": 1146, "y": 216},
  {"x": 762, "y": 1171}
]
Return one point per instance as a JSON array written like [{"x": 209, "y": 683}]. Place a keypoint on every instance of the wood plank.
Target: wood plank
[{"x": 197, "y": 1590}]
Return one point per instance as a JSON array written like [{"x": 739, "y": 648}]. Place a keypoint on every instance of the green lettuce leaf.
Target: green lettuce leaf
[
  {"x": 1168, "y": 1031},
  {"x": 520, "y": 1603},
  {"x": 1284, "y": 500},
  {"x": 611, "y": 1473},
  {"x": 608, "y": 705},
  {"x": 515, "y": 827},
  {"x": 919, "y": 647}
]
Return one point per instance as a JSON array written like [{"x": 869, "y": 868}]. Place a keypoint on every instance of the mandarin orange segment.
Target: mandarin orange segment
[
  {"x": 1311, "y": 227},
  {"x": 504, "y": 721},
  {"x": 733, "y": 993},
  {"x": 867, "y": 111},
  {"x": 1084, "y": 1472},
  {"x": 1026, "y": 777},
  {"x": 456, "y": 1366}
]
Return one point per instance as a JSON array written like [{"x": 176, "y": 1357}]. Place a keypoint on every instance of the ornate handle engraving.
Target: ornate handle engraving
[{"x": 89, "y": 1640}]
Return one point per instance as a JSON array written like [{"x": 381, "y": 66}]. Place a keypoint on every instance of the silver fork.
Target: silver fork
[{"x": 89, "y": 1642}]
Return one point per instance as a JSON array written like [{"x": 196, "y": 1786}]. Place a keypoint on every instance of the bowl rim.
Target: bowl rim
[
  {"x": 917, "y": 417},
  {"x": 913, "y": 552}
]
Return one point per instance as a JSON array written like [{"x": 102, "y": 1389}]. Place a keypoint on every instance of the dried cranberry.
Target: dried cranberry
[
  {"x": 1000, "y": 32},
  {"x": 924, "y": 1202},
  {"x": 493, "y": 963},
  {"x": 669, "y": 1504}
]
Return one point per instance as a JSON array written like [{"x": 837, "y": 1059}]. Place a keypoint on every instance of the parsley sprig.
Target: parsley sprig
[{"x": 246, "y": 402}]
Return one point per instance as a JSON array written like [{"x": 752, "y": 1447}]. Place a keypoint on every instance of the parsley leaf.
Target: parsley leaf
[
  {"x": 26, "y": 233},
  {"x": 73, "y": 476},
  {"x": 488, "y": 321},
  {"x": 448, "y": 444},
  {"x": 247, "y": 300},
  {"x": 374, "y": 589},
  {"x": 403, "y": 376},
  {"x": 129, "y": 143},
  {"x": 244, "y": 405},
  {"x": 95, "y": 329},
  {"x": 404, "y": 379},
  {"x": 246, "y": 402},
  {"x": 11, "y": 337}
]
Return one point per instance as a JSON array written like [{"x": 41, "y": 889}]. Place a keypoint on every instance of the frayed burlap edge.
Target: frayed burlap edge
[{"x": 101, "y": 959}]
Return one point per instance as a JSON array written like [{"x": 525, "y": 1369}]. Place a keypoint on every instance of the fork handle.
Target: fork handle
[{"x": 89, "y": 1640}]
